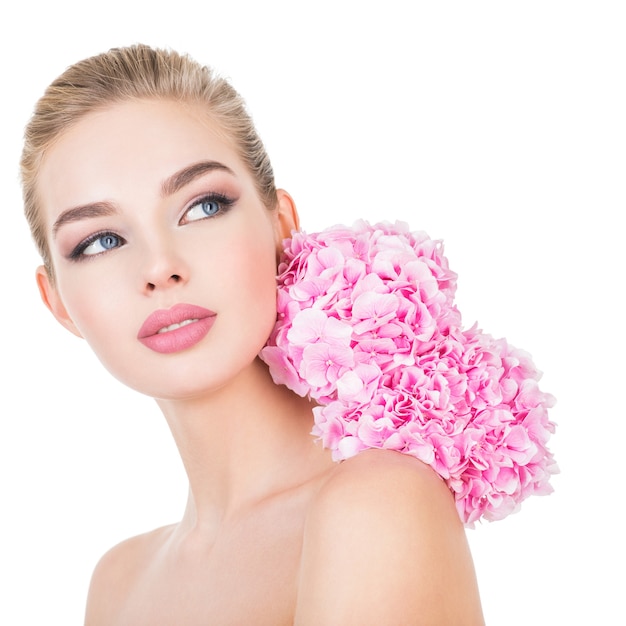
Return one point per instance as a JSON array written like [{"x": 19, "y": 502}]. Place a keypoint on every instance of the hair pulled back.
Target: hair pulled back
[{"x": 129, "y": 73}]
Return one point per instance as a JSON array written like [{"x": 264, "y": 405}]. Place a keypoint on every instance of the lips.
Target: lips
[{"x": 176, "y": 329}]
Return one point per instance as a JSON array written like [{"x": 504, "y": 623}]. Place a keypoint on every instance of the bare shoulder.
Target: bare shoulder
[
  {"x": 116, "y": 572},
  {"x": 393, "y": 490},
  {"x": 384, "y": 544}
]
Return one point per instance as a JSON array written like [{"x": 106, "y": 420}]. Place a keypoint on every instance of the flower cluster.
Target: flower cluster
[{"x": 367, "y": 327}]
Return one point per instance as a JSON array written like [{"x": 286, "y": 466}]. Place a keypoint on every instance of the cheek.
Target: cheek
[
  {"x": 253, "y": 279},
  {"x": 94, "y": 308},
  {"x": 260, "y": 253},
  {"x": 108, "y": 326}
]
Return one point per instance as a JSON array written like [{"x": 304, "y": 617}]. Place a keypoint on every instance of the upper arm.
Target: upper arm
[
  {"x": 111, "y": 581},
  {"x": 384, "y": 545},
  {"x": 98, "y": 604}
]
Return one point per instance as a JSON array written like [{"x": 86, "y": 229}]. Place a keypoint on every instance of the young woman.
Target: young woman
[{"x": 152, "y": 202}]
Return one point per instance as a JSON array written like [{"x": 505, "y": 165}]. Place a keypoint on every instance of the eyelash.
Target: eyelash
[
  {"x": 77, "y": 254},
  {"x": 224, "y": 204}
]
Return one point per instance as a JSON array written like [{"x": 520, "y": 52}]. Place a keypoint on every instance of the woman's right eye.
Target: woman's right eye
[{"x": 97, "y": 244}]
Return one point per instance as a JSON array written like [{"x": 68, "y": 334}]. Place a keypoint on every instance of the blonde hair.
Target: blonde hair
[{"x": 135, "y": 72}]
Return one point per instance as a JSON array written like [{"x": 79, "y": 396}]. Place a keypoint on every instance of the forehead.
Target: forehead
[{"x": 127, "y": 149}]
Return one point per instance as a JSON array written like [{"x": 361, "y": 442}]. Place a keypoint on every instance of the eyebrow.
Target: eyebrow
[
  {"x": 96, "y": 209},
  {"x": 183, "y": 177},
  {"x": 170, "y": 186}
]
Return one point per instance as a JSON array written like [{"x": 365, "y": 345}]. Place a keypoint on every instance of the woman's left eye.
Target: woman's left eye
[{"x": 209, "y": 206}]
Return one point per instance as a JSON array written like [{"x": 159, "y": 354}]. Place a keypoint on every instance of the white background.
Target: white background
[{"x": 496, "y": 126}]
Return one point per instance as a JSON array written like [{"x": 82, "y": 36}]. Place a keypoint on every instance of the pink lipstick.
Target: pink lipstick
[{"x": 176, "y": 329}]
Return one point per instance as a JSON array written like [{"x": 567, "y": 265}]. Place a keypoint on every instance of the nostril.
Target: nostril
[{"x": 173, "y": 279}]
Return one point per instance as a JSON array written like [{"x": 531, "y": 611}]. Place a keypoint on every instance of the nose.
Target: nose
[
  {"x": 162, "y": 268},
  {"x": 151, "y": 286}
]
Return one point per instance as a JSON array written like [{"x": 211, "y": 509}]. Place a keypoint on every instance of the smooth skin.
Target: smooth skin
[{"x": 274, "y": 531}]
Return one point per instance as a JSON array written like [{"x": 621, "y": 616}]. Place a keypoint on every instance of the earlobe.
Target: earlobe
[{"x": 52, "y": 299}]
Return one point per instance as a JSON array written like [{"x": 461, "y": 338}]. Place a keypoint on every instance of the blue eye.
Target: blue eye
[
  {"x": 97, "y": 244},
  {"x": 109, "y": 241},
  {"x": 209, "y": 206}
]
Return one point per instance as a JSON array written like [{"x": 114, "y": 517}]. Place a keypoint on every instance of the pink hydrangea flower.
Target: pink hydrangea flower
[{"x": 367, "y": 327}]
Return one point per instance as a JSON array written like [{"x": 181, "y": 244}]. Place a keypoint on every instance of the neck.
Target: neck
[{"x": 242, "y": 444}]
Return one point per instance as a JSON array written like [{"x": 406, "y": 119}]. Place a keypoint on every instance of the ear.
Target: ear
[
  {"x": 52, "y": 299},
  {"x": 288, "y": 219}
]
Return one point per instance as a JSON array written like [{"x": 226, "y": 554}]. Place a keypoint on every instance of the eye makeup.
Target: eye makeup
[{"x": 79, "y": 253}]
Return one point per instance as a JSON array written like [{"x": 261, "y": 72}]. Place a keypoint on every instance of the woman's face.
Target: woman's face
[{"x": 165, "y": 257}]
